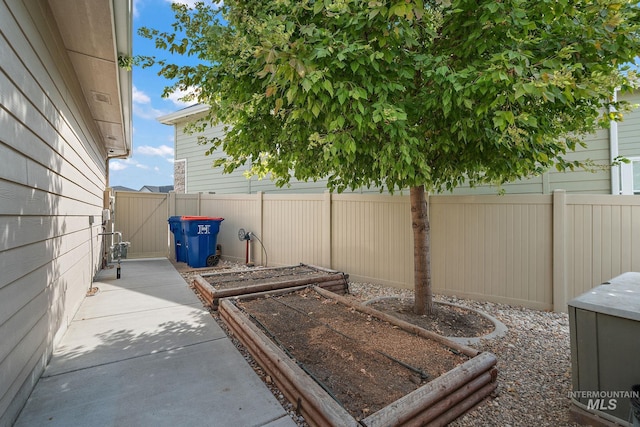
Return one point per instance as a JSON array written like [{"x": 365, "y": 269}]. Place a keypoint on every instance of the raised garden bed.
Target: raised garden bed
[
  {"x": 214, "y": 286},
  {"x": 345, "y": 364}
]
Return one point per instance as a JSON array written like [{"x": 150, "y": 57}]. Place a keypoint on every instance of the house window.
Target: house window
[{"x": 630, "y": 176}]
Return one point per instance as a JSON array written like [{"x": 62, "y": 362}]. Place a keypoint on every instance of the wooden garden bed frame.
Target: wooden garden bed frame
[
  {"x": 434, "y": 404},
  {"x": 331, "y": 280}
]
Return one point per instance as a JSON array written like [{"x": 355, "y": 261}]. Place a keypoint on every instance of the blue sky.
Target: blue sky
[{"x": 152, "y": 160}]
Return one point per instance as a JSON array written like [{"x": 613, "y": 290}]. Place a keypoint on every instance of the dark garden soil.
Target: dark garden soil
[
  {"x": 364, "y": 362},
  {"x": 446, "y": 320},
  {"x": 251, "y": 277}
]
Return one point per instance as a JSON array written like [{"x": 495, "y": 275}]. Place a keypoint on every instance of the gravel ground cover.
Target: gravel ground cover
[{"x": 533, "y": 362}]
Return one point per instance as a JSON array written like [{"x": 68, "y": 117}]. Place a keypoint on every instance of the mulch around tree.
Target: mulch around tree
[{"x": 446, "y": 320}]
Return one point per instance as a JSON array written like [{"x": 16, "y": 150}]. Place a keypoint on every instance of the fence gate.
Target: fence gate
[{"x": 142, "y": 219}]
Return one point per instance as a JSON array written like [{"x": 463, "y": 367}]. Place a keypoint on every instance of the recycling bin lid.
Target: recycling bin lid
[{"x": 201, "y": 218}]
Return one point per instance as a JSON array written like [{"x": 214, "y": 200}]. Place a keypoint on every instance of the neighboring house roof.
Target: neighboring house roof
[
  {"x": 121, "y": 188},
  {"x": 156, "y": 189},
  {"x": 95, "y": 34},
  {"x": 180, "y": 115}
]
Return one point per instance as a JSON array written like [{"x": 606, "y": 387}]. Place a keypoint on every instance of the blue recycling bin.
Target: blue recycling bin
[
  {"x": 179, "y": 240},
  {"x": 201, "y": 235}
]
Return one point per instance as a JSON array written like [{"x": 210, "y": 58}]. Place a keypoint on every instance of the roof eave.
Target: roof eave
[{"x": 181, "y": 115}]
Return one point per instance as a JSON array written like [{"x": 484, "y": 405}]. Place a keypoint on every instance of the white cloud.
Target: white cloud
[
  {"x": 146, "y": 111},
  {"x": 157, "y": 169},
  {"x": 139, "y": 97},
  {"x": 142, "y": 106},
  {"x": 192, "y": 3},
  {"x": 171, "y": 160},
  {"x": 176, "y": 96},
  {"x": 117, "y": 166},
  {"x": 161, "y": 151}
]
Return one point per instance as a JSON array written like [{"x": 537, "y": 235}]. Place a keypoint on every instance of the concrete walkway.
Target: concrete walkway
[{"x": 143, "y": 352}]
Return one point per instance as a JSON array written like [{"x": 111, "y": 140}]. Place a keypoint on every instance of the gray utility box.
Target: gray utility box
[{"x": 604, "y": 324}]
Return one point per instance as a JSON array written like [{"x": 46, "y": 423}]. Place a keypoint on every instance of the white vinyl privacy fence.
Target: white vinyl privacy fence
[{"x": 537, "y": 251}]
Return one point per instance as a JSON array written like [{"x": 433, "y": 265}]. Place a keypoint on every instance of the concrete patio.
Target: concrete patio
[{"x": 143, "y": 351}]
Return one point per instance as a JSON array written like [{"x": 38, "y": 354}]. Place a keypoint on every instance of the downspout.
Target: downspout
[{"x": 613, "y": 150}]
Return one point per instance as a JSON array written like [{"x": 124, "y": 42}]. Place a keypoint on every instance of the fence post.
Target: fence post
[
  {"x": 326, "y": 230},
  {"x": 559, "y": 258},
  {"x": 260, "y": 201},
  {"x": 171, "y": 211}
]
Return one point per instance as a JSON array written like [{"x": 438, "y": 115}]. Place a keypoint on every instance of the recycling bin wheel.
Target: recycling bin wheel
[{"x": 212, "y": 260}]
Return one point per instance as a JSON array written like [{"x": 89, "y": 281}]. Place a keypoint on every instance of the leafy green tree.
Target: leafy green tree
[{"x": 404, "y": 94}]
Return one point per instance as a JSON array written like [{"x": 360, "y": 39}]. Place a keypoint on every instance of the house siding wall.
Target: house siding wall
[
  {"x": 201, "y": 177},
  {"x": 596, "y": 181},
  {"x": 629, "y": 129},
  {"x": 52, "y": 181}
]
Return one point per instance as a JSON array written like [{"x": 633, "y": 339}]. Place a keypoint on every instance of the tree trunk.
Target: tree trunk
[{"x": 423, "y": 303}]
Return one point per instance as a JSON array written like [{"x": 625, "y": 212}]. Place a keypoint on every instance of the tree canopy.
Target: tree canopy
[
  {"x": 404, "y": 93},
  {"x": 400, "y": 94}
]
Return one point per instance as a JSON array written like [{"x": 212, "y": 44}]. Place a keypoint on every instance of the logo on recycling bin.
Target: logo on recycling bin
[{"x": 204, "y": 229}]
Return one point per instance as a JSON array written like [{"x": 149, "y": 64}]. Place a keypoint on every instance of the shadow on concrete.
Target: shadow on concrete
[{"x": 137, "y": 354}]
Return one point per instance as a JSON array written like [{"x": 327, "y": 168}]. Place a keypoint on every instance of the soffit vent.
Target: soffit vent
[{"x": 101, "y": 97}]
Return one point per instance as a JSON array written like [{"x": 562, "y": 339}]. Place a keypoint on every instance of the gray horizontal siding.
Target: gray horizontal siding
[
  {"x": 597, "y": 181},
  {"x": 533, "y": 185},
  {"x": 52, "y": 180},
  {"x": 200, "y": 174},
  {"x": 201, "y": 177},
  {"x": 629, "y": 129}
]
